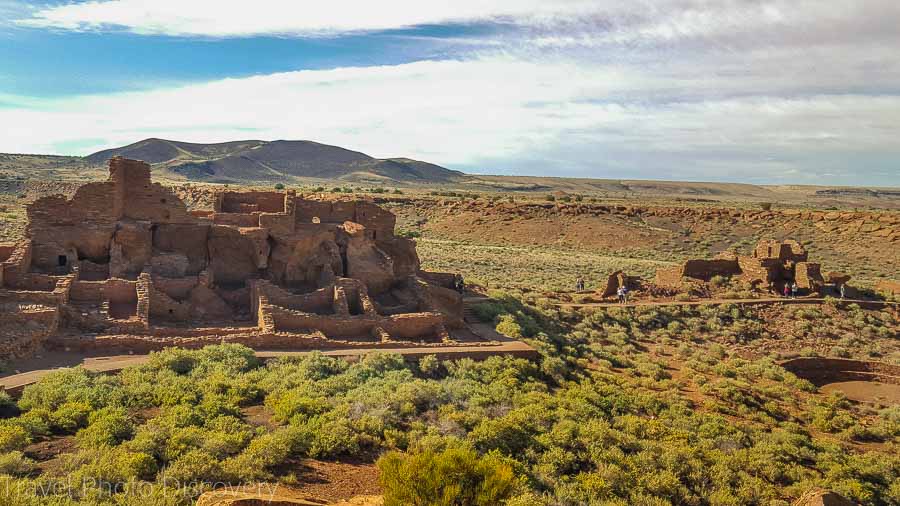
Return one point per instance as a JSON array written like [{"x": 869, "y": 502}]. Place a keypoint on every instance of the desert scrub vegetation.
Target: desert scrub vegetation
[{"x": 600, "y": 418}]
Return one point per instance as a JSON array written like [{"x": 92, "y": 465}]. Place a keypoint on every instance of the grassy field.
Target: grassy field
[
  {"x": 12, "y": 219},
  {"x": 533, "y": 268}
]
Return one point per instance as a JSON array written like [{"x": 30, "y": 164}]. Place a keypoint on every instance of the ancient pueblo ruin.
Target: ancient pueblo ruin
[{"x": 124, "y": 265}]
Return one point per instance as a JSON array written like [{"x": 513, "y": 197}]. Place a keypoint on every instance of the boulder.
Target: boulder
[
  {"x": 275, "y": 498},
  {"x": 822, "y": 498}
]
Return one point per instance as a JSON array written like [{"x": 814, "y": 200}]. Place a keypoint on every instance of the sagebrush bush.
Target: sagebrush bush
[{"x": 455, "y": 476}]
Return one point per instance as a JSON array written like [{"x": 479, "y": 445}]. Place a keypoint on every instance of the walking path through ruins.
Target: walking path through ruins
[
  {"x": 868, "y": 304},
  {"x": 37, "y": 368}
]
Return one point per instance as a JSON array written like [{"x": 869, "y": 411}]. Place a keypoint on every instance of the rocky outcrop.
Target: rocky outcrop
[
  {"x": 822, "y": 498},
  {"x": 264, "y": 498}
]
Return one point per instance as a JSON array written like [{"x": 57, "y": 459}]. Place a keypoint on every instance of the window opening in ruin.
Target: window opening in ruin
[
  {"x": 62, "y": 260},
  {"x": 162, "y": 201},
  {"x": 171, "y": 311},
  {"x": 374, "y": 234},
  {"x": 316, "y": 219}
]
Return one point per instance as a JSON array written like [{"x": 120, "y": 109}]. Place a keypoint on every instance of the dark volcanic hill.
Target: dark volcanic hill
[{"x": 274, "y": 161}]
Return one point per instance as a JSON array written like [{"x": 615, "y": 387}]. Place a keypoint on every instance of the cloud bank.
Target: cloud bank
[
  {"x": 487, "y": 114},
  {"x": 749, "y": 90}
]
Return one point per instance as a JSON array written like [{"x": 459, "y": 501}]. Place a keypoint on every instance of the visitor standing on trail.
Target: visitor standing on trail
[
  {"x": 794, "y": 290},
  {"x": 460, "y": 283},
  {"x": 579, "y": 284},
  {"x": 843, "y": 289},
  {"x": 787, "y": 290},
  {"x": 623, "y": 295}
]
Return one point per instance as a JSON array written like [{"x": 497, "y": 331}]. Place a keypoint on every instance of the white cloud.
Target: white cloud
[
  {"x": 218, "y": 18},
  {"x": 498, "y": 110},
  {"x": 731, "y": 89},
  {"x": 556, "y": 22}
]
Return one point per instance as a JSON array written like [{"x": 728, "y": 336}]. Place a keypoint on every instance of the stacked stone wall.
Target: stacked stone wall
[
  {"x": 24, "y": 328},
  {"x": 236, "y": 220},
  {"x": 145, "y": 200},
  {"x": 16, "y": 264},
  {"x": 162, "y": 306},
  {"x": 808, "y": 276},
  {"x": 320, "y": 301},
  {"x": 252, "y": 201}
]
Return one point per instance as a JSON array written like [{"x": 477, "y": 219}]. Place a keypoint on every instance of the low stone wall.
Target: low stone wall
[
  {"x": 402, "y": 326},
  {"x": 164, "y": 307},
  {"x": 24, "y": 328},
  {"x": 58, "y": 294},
  {"x": 442, "y": 279},
  {"x": 236, "y": 219},
  {"x": 320, "y": 301}
]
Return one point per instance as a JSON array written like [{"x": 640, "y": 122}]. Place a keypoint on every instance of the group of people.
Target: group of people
[
  {"x": 792, "y": 289},
  {"x": 621, "y": 293}
]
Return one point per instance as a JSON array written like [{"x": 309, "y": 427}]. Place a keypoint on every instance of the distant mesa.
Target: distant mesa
[{"x": 254, "y": 160}]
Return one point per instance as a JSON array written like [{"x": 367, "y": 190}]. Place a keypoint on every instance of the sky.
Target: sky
[{"x": 756, "y": 91}]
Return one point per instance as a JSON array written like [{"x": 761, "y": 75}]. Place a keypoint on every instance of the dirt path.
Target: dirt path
[{"x": 868, "y": 304}]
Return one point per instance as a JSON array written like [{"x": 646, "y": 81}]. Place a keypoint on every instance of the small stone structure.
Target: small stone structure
[
  {"x": 124, "y": 262},
  {"x": 772, "y": 263}
]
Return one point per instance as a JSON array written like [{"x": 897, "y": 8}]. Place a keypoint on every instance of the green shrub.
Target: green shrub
[
  {"x": 331, "y": 438},
  {"x": 456, "y": 476},
  {"x": 13, "y": 437},
  {"x": 109, "y": 465},
  {"x": 15, "y": 464},
  {"x": 194, "y": 466},
  {"x": 107, "y": 427},
  {"x": 70, "y": 416},
  {"x": 287, "y": 405},
  {"x": 264, "y": 453},
  {"x": 509, "y": 327},
  {"x": 279, "y": 186},
  {"x": 487, "y": 312},
  {"x": 429, "y": 365},
  {"x": 177, "y": 360}
]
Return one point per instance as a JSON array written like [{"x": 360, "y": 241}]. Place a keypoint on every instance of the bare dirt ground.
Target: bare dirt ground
[
  {"x": 335, "y": 480},
  {"x": 865, "y": 391}
]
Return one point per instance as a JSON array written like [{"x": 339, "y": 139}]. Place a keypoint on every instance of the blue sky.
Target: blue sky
[{"x": 767, "y": 91}]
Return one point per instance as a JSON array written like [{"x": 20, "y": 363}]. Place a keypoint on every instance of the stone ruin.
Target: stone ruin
[
  {"x": 771, "y": 264},
  {"x": 125, "y": 264},
  {"x": 618, "y": 279}
]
